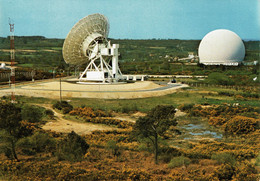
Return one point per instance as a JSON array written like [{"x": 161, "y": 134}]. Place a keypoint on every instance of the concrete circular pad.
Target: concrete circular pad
[{"x": 51, "y": 89}]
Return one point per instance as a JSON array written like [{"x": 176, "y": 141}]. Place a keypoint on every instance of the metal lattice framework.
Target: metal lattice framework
[
  {"x": 12, "y": 57},
  {"x": 81, "y": 40}
]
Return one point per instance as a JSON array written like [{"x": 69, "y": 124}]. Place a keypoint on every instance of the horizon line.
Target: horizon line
[{"x": 247, "y": 39}]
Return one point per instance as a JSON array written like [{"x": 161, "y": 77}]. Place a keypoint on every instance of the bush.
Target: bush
[
  {"x": 250, "y": 95},
  {"x": 88, "y": 112},
  {"x": 219, "y": 78},
  {"x": 112, "y": 145},
  {"x": 230, "y": 94},
  {"x": 143, "y": 147},
  {"x": 179, "y": 161},
  {"x": 165, "y": 158},
  {"x": 246, "y": 172},
  {"x": 217, "y": 121},
  {"x": 224, "y": 172},
  {"x": 205, "y": 149},
  {"x": 64, "y": 106},
  {"x": 186, "y": 107},
  {"x": 225, "y": 110},
  {"x": 240, "y": 125},
  {"x": 72, "y": 148},
  {"x": 66, "y": 110},
  {"x": 32, "y": 114},
  {"x": 166, "y": 153},
  {"x": 257, "y": 161},
  {"x": 110, "y": 121},
  {"x": 127, "y": 109},
  {"x": 224, "y": 158},
  {"x": 38, "y": 142},
  {"x": 49, "y": 113},
  {"x": 6, "y": 150}
]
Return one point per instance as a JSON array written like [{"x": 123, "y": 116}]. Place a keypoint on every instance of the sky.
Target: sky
[{"x": 134, "y": 19}]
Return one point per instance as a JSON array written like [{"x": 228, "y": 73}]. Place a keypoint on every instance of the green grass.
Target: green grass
[
  {"x": 33, "y": 100},
  {"x": 26, "y": 65},
  {"x": 142, "y": 105},
  {"x": 56, "y": 48},
  {"x": 179, "y": 161},
  {"x": 146, "y": 104},
  {"x": 74, "y": 118}
]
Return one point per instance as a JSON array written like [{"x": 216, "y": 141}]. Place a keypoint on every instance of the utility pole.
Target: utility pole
[
  {"x": 60, "y": 82},
  {"x": 60, "y": 89},
  {"x": 12, "y": 56}
]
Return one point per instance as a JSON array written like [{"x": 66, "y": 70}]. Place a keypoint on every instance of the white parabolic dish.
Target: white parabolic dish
[
  {"x": 221, "y": 47},
  {"x": 78, "y": 41}
]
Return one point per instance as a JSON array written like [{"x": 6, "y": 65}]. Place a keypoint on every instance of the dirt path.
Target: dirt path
[{"x": 66, "y": 126}]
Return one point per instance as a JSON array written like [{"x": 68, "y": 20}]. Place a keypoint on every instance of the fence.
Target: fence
[{"x": 236, "y": 87}]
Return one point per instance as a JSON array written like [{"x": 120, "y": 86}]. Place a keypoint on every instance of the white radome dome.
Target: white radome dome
[{"x": 221, "y": 47}]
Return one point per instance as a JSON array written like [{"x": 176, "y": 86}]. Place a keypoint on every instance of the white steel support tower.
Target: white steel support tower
[
  {"x": 103, "y": 66},
  {"x": 12, "y": 57}
]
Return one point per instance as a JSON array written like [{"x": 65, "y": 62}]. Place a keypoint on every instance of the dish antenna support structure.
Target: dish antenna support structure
[{"x": 87, "y": 43}]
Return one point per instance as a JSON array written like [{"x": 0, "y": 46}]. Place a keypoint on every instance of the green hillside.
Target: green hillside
[{"x": 136, "y": 56}]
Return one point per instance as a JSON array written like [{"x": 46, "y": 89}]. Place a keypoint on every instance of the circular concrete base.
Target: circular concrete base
[
  {"x": 100, "y": 83},
  {"x": 70, "y": 89}
]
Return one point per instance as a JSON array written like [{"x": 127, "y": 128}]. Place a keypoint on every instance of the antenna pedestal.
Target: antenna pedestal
[{"x": 103, "y": 67}]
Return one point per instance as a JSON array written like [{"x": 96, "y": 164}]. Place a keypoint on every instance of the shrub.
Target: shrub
[
  {"x": 143, "y": 147},
  {"x": 257, "y": 162},
  {"x": 239, "y": 97},
  {"x": 66, "y": 110},
  {"x": 217, "y": 121},
  {"x": 64, "y": 106},
  {"x": 179, "y": 161},
  {"x": 250, "y": 95},
  {"x": 166, "y": 153},
  {"x": 38, "y": 142},
  {"x": 165, "y": 158},
  {"x": 129, "y": 108},
  {"x": 88, "y": 112},
  {"x": 240, "y": 125},
  {"x": 205, "y": 149},
  {"x": 112, "y": 145},
  {"x": 49, "y": 113},
  {"x": 27, "y": 128},
  {"x": 224, "y": 158},
  {"x": 72, "y": 148},
  {"x": 246, "y": 172},
  {"x": 4, "y": 148},
  {"x": 33, "y": 114},
  {"x": 83, "y": 112},
  {"x": 224, "y": 172},
  {"x": 110, "y": 121},
  {"x": 186, "y": 107},
  {"x": 219, "y": 78},
  {"x": 100, "y": 113},
  {"x": 225, "y": 110},
  {"x": 226, "y": 93}
]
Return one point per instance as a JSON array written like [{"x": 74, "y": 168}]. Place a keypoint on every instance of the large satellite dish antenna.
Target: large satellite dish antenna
[{"x": 87, "y": 43}]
